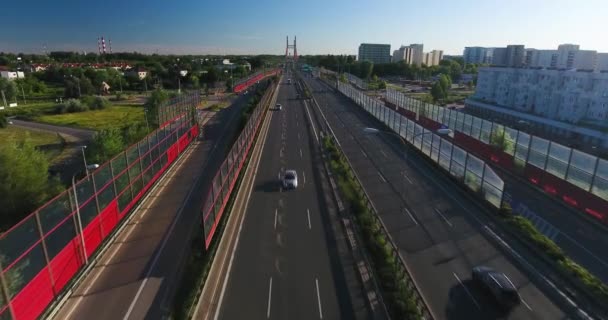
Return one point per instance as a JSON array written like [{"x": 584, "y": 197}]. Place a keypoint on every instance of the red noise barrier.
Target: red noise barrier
[
  {"x": 244, "y": 84},
  {"x": 42, "y": 253}
]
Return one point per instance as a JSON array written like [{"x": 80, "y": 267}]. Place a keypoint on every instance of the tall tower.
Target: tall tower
[{"x": 294, "y": 56}]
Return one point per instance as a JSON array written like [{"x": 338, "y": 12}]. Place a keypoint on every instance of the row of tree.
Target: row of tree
[{"x": 365, "y": 69}]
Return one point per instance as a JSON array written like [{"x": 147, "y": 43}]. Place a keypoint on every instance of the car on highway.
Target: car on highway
[
  {"x": 279, "y": 107},
  {"x": 498, "y": 284},
  {"x": 290, "y": 179},
  {"x": 288, "y": 81}
]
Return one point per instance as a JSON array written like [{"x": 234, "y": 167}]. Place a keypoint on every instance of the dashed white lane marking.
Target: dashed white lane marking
[
  {"x": 467, "y": 291},
  {"x": 444, "y": 218}
]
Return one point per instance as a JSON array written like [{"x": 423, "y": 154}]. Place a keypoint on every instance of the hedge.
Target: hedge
[
  {"x": 526, "y": 229},
  {"x": 399, "y": 298}
]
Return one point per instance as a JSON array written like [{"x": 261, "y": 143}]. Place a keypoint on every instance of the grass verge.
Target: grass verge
[
  {"x": 397, "y": 294},
  {"x": 581, "y": 276},
  {"x": 113, "y": 117}
]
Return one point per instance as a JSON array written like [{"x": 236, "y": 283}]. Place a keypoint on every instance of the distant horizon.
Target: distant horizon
[{"x": 238, "y": 28}]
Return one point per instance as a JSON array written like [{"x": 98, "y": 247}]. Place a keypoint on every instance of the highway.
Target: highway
[
  {"x": 441, "y": 234},
  {"x": 287, "y": 263},
  {"x": 136, "y": 277}
]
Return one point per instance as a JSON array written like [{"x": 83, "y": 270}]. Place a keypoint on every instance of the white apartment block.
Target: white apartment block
[
  {"x": 411, "y": 54},
  {"x": 432, "y": 58},
  {"x": 602, "y": 62},
  {"x": 12, "y": 75},
  {"x": 567, "y": 56},
  {"x": 564, "y": 95}
]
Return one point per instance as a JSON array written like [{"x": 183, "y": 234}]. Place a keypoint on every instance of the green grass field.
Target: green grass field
[
  {"x": 116, "y": 116},
  {"x": 38, "y": 138}
]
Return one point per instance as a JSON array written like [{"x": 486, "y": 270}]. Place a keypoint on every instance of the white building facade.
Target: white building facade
[
  {"x": 12, "y": 75},
  {"x": 560, "y": 101}
]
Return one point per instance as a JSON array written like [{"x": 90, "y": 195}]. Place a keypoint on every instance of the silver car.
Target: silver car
[{"x": 290, "y": 179}]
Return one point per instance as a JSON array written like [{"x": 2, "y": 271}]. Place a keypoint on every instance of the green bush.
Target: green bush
[
  {"x": 3, "y": 121},
  {"x": 400, "y": 300},
  {"x": 74, "y": 105},
  {"x": 60, "y": 109},
  {"x": 99, "y": 103},
  {"x": 594, "y": 285}
]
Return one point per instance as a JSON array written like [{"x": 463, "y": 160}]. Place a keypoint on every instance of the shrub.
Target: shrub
[
  {"x": 3, "y": 121},
  {"x": 60, "y": 108},
  {"x": 74, "y": 105},
  {"x": 99, "y": 103}
]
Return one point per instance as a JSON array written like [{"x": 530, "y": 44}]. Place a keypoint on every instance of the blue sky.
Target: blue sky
[{"x": 329, "y": 26}]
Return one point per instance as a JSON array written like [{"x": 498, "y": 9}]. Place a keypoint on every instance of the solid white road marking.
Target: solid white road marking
[
  {"x": 364, "y": 154},
  {"x": 159, "y": 252},
  {"x": 407, "y": 178},
  {"x": 467, "y": 291},
  {"x": 444, "y": 218},
  {"x": 308, "y": 213},
  {"x": 319, "y": 299},
  {"x": 384, "y": 153},
  {"x": 411, "y": 216},
  {"x": 269, "y": 299},
  {"x": 275, "y": 218},
  {"x": 526, "y": 304},
  {"x": 311, "y": 123},
  {"x": 381, "y": 177}
]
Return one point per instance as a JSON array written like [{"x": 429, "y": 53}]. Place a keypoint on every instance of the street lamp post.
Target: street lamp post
[
  {"x": 79, "y": 223},
  {"x": 84, "y": 158}
]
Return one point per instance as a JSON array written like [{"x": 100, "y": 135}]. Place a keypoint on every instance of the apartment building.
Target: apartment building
[
  {"x": 563, "y": 100},
  {"x": 376, "y": 53}
]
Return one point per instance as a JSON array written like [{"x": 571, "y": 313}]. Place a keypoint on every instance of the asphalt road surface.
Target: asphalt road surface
[
  {"x": 137, "y": 276},
  {"x": 82, "y": 134},
  {"x": 439, "y": 232},
  {"x": 286, "y": 264}
]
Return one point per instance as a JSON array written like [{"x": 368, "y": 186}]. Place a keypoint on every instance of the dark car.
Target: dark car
[{"x": 501, "y": 287}]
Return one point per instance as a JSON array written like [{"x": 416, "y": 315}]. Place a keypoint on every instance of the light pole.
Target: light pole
[
  {"x": 79, "y": 223},
  {"x": 146, "y": 116}
]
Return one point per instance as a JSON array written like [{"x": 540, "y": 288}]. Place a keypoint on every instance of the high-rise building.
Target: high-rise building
[
  {"x": 403, "y": 54},
  {"x": 411, "y": 54},
  {"x": 417, "y": 54},
  {"x": 602, "y": 62},
  {"x": 567, "y": 56},
  {"x": 511, "y": 56},
  {"x": 558, "y": 99},
  {"x": 432, "y": 58},
  {"x": 478, "y": 55},
  {"x": 376, "y": 53}
]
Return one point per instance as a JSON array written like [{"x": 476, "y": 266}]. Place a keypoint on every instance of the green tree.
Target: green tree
[
  {"x": 445, "y": 82},
  {"x": 9, "y": 88},
  {"x": 367, "y": 67},
  {"x": 502, "y": 140},
  {"x": 153, "y": 104},
  {"x": 437, "y": 92},
  {"x": 3, "y": 121},
  {"x": 24, "y": 180},
  {"x": 343, "y": 78},
  {"x": 106, "y": 144}
]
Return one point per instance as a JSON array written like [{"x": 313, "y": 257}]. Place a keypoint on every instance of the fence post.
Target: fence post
[
  {"x": 79, "y": 224},
  {"x": 597, "y": 164},
  {"x": 44, "y": 249},
  {"x": 5, "y": 293}
]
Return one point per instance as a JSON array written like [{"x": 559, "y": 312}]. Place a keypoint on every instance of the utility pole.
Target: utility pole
[
  {"x": 4, "y": 98},
  {"x": 23, "y": 93}
]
